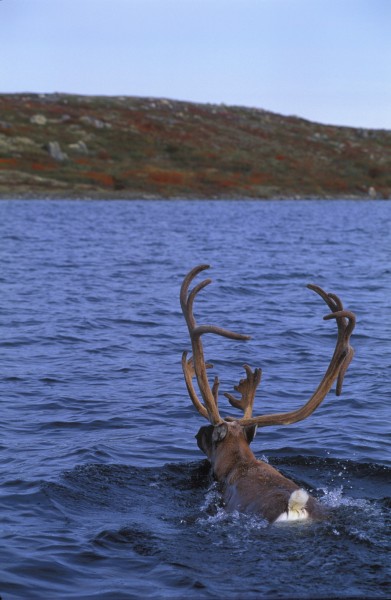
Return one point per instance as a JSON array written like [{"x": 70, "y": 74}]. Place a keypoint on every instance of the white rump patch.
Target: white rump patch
[{"x": 296, "y": 507}]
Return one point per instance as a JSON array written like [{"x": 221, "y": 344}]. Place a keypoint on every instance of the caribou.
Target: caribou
[{"x": 250, "y": 485}]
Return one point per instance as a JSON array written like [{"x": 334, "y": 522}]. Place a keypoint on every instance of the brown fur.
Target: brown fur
[{"x": 249, "y": 485}]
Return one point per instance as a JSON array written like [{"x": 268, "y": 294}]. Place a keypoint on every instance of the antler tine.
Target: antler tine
[
  {"x": 197, "y": 366},
  {"x": 186, "y": 299},
  {"x": 215, "y": 390},
  {"x": 337, "y": 300},
  {"x": 336, "y": 370},
  {"x": 332, "y": 301},
  {"x": 247, "y": 388},
  {"x": 344, "y": 332},
  {"x": 189, "y": 373}
]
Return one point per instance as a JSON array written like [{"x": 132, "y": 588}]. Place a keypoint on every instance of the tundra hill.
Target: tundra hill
[{"x": 60, "y": 145}]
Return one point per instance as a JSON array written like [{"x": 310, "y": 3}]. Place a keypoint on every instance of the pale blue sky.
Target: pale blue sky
[{"x": 325, "y": 60}]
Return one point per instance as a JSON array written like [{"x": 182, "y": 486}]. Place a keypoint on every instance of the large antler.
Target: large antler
[
  {"x": 339, "y": 363},
  {"x": 196, "y": 364}
]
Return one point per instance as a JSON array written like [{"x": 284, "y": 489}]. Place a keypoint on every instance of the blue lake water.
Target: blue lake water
[{"x": 104, "y": 493}]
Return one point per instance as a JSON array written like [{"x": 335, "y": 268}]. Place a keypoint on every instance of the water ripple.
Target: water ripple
[{"x": 104, "y": 493}]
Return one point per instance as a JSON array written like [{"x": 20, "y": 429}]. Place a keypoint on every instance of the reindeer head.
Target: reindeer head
[{"x": 210, "y": 436}]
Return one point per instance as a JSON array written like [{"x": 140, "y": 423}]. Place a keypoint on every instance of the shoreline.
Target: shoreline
[{"x": 134, "y": 196}]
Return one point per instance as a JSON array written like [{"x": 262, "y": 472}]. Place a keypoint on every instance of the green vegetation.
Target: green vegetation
[{"x": 61, "y": 145}]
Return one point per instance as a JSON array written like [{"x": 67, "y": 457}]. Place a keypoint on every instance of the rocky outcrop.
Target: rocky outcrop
[{"x": 55, "y": 151}]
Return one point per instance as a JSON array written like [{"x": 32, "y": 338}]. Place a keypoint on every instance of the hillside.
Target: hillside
[{"x": 59, "y": 145}]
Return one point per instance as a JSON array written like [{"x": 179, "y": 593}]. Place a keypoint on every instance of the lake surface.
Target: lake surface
[{"x": 104, "y": 493}]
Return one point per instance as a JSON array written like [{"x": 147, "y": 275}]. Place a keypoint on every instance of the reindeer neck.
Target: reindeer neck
[{"x": 232, "y": 457}]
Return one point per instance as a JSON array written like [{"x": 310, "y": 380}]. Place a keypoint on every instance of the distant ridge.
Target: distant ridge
[{"x": 61, "y": 145}]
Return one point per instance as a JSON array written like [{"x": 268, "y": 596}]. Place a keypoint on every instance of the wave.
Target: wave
[{"x": 165, "y": 529}]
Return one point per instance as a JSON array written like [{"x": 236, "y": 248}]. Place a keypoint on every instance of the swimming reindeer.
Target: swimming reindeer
[{"x": 250, "y": 485}]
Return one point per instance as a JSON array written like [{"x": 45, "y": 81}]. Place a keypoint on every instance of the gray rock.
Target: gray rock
[
  {"x": 95, "y": 122},
  {"x": 38, "y": 120},
  {"x": 56, "y": 152},
  {"x": 80, "y": 147}
]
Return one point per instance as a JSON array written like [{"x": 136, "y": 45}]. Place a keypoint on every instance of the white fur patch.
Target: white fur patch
[{"x": 296, "y": 507}]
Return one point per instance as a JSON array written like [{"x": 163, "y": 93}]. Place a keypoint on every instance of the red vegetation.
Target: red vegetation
[
  {"x": 100, "y": 178},
  {"x": 6, "y": 163},
  {"x": 43, "y": 167},
  {"x": 167, "y": 177}
]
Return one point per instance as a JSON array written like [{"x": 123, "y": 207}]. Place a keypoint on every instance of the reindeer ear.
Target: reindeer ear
[
  {"x": 219, "y": 433},
  {"x": 249, "y": 433},
  {"x": 204, "y": 439}
]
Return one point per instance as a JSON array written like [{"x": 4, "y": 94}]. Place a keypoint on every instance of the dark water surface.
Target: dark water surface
[{"x": 104, "y": 493}]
